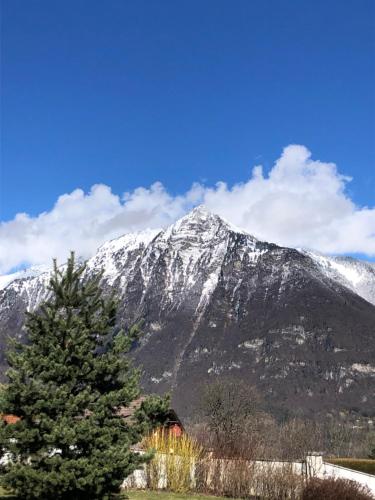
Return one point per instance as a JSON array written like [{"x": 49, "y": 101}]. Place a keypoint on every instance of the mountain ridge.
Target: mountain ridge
[
  {"x": 331, "y": 264},
  {"x": 217, "y": 302}
]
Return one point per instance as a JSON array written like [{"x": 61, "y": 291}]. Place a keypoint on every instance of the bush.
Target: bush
[
  {"x": 174, "y": 462},
  {"x": 248, "y": 480},
  {"x": 229, "y": 478},
  {"x": 278, "y": 483},
  {"x": 335, "y": 489},
  {"x": 360, "y": 464}
]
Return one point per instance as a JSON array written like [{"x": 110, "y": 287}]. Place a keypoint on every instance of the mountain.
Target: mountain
[
  {"x": 217, "y": 302},
  {"x": 355, "y": 274}
]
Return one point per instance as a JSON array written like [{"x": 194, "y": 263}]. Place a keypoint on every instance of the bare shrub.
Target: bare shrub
[
  {"x": 237, "y": 478},
  {"x": 335, "y": 489},
  {"x": 278, "y": 483},
  {"x": 229, "y": 478},
  {"x": 248, "y": 479}
]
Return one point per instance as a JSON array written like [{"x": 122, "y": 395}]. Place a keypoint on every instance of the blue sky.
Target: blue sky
[{"x": 127, "y": 93}]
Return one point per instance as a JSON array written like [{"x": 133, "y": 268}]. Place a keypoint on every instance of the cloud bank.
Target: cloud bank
[{"x": 300, "y": 203}]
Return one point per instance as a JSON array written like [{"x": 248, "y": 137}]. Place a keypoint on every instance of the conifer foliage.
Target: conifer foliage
[{"x": 66, "y": 384}]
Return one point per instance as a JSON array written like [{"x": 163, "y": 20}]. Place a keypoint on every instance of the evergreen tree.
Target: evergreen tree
[{"x": 66, "y": 384}]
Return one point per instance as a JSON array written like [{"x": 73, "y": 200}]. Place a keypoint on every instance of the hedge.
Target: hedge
[{"x": 360, "y": 464}]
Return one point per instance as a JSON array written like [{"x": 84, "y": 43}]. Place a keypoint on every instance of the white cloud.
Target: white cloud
[{"x": 301, "y": 202}]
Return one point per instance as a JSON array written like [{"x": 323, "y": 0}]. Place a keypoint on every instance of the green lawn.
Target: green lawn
[{"x": 145, "y": 495}]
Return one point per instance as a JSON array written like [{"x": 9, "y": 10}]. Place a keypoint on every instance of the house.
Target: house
[
  {"x": 10, "y": 419},
  {"x": 172, "y": 423}
]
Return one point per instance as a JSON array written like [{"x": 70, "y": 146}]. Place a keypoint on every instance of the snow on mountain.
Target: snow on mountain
[
  {"x": 191, "y": 249},
  {"x": 355, "y": 274},
  {"x": 197, "y": 239},
  {"x": 113, "y": 255},
  {"x": 31, "y": 272}
]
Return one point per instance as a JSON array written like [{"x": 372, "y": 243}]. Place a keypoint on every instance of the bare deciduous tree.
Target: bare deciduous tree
[{"x": 231, "y": 410}]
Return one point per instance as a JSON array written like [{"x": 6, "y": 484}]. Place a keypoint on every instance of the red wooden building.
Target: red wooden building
[
  {"x": 172, "y": 422},
  {"x": 10, "y": 419}
]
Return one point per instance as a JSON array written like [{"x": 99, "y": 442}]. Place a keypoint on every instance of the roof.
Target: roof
[
  {"x": 10, "y": 419},
  {"x": 127, "y": 412}
]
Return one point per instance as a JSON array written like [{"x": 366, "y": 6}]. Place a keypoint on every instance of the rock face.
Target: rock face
[{"x": 216, "y": 302}]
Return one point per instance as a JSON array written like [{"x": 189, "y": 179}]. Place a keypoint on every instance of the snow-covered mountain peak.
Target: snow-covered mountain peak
[
  {"x": 200, "y": 212},
  {"x": 202, "y": 216},
  {"x": 198, "y": 219},
  {"x": 201, "y": 220}
]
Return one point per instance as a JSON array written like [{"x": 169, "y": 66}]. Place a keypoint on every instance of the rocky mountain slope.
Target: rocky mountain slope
[{"x": 216, "y": 302}]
